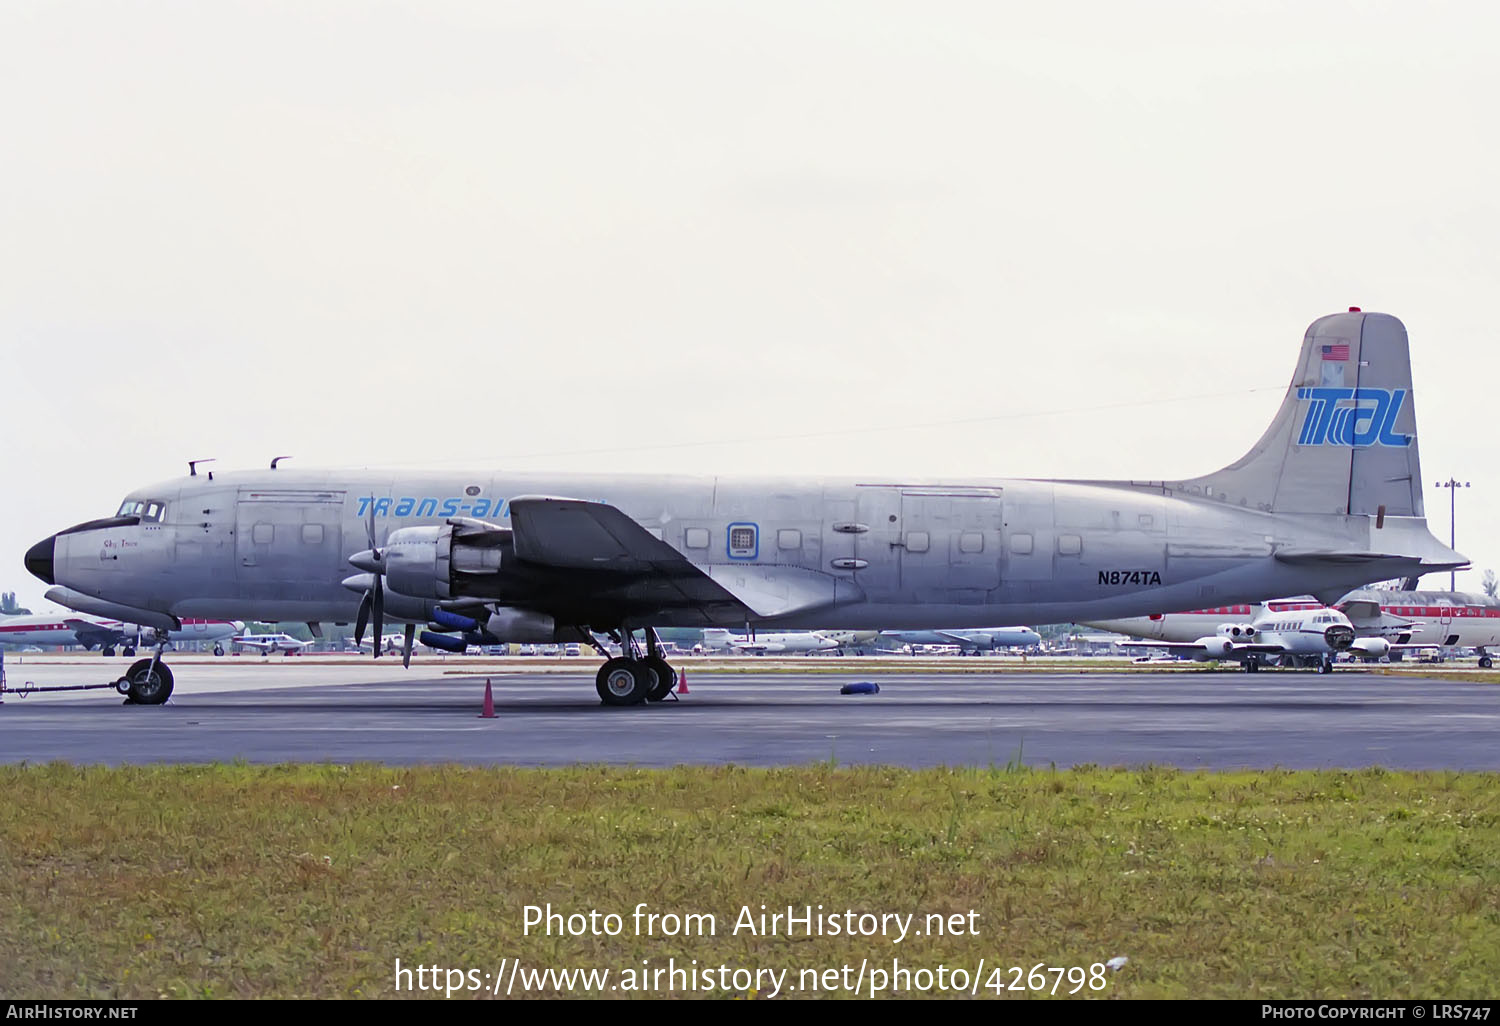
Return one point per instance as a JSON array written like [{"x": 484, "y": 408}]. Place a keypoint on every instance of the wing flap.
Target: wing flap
[{"x": 776, "y": 590}]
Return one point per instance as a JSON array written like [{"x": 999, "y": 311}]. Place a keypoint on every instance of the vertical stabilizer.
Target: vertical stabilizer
[{"x": 1345, "y": 438}]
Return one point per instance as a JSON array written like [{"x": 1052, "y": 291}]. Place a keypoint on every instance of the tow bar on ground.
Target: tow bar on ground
[{"x": 122, "y": 685}]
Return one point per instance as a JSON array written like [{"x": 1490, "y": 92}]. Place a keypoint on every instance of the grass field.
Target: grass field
[{"x": 312, "y": 880}]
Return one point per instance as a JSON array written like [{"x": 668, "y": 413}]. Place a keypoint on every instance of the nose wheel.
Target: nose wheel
[{"x": 147, "y": 682}]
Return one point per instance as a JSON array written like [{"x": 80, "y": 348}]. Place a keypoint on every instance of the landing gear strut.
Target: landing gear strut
[{"x": 633, "y": 677}]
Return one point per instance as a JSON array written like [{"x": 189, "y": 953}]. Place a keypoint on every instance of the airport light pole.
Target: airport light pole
[{"x": 1453, "y": 485}]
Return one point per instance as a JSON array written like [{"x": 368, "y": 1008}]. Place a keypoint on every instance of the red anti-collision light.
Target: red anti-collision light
[{"x": 1354, "y": 309}]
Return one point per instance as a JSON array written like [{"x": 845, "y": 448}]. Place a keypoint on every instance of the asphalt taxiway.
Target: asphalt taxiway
[{"x": 363, "y": 713}]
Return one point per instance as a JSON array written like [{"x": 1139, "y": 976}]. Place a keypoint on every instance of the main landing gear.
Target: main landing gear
[{"x": 634, "y": 677}]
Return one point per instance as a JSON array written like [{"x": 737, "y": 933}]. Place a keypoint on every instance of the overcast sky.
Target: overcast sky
[{"x": 891, "y": 238}]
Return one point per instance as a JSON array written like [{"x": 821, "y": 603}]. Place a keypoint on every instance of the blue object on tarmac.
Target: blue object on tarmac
[{"x": 860, "y": 687}]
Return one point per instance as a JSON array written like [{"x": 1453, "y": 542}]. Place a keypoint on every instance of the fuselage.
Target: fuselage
[
  {"x": 1442, "y": 618},
  {"x": 275, "y": 545}
]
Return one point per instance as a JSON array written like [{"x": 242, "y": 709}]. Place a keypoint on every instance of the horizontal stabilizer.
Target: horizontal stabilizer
[{"x": 1309, "y": 557}]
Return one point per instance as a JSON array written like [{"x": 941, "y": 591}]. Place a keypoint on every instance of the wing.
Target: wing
[
  {"x": 576, "y": 535},
  {"x": 92, "y": 633},
  {"x": 1185, "y": 647},
  {"x": 1197, "y": 647}
]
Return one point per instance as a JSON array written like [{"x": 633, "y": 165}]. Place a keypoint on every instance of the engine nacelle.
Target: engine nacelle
[
  {"x": 1215, "y": 648},
  {"x": 400, "y": 607},
  {"x": 1237, "y": 631},
  {"x": 1371, "y": 648},
  {"x": 429, "y": 562},
  {"x": 1340, "y": 636},
  {"x": 521, "y": 625}
]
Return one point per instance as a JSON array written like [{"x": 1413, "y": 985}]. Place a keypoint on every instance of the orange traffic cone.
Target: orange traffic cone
[
  {"x": 682, "y": 688},
  {"x": 489, "y": 702}
]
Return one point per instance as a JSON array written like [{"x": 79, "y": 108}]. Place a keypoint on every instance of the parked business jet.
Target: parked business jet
[
  {"x": 968, "y": 641},
  {"x": 107, "y": 634},
  {"x": 716, "y": 639},
  {"x": 1327, "y": 500}
]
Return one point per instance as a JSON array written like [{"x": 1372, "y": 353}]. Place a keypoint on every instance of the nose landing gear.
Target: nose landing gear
[{"x": 147, "y": 682}]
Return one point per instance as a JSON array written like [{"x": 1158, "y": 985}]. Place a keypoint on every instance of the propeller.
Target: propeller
[
  {"x": 411, "y": 634},
  {"x": 372, "y": 561}
]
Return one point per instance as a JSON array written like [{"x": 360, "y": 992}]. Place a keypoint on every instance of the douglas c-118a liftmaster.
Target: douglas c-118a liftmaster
[{"x": 1330, "y": 498}]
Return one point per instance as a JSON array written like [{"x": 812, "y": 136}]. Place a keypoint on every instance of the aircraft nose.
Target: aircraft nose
[{"x": 39, "y": 559}]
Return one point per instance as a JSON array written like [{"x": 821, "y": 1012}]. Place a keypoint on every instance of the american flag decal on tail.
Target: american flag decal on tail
[{"x": 1337, "y": 351}]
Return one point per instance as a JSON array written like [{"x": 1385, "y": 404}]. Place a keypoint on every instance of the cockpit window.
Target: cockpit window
[{"x": 149, "y": 510}]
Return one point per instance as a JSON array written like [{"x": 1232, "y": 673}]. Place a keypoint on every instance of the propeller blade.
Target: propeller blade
[
  {"x": 370, "y": 523},
  {"x": 379, "y": 610},
  {"x": 411, "y": 634},
  {"x": 362, "y": 619}
]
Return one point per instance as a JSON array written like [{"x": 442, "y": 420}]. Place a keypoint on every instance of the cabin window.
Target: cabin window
[
  {"x": 312, "y": 534},
  {"x": 1069, "y": 544},
  {"x": 696, "y": 538},
  {"x": 743, "y": 541},
  {"x": 1021, "y": 544},
  {"x": 789, "y": 538},
  {"x": 261, "y": 534},
  {"x": 917, "y": 541},
  {"x": 971, "y": 541}
]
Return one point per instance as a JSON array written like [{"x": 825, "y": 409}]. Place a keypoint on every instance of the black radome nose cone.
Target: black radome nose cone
[{"x": 39, "y": 559}]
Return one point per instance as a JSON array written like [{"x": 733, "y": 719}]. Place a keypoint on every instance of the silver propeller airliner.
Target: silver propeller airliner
[{"x": 1330, "y": 498}]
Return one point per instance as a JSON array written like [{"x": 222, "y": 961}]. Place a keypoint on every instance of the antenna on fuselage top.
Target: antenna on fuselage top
[
  {"x": 193, "y": 468},
  {"x": 278, "y": 460}
]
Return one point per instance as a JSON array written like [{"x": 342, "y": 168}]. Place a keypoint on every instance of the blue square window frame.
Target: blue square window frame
[{"x": 729, "y": 541}]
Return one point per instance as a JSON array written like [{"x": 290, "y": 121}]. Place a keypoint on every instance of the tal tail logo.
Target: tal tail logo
[{"x": 1358, "y": 417}]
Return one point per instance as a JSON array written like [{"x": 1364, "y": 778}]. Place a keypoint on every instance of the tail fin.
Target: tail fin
[{"x": 1345, "y": 438}]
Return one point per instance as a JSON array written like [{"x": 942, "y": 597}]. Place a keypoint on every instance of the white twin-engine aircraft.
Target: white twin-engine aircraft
[
  {"x": 1308, "y": 636},
  {"x": 269, "y": 644},
  {"x": 1330, "y": 498}
]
